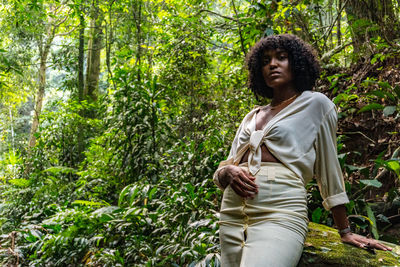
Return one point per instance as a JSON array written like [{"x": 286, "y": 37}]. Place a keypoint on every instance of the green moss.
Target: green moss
[{"x": 323, "y": 247}]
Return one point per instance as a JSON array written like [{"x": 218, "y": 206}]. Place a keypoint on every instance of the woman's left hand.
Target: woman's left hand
[{"x": 363, "y": 242}]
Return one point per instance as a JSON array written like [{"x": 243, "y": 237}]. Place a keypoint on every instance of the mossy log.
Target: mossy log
[{"x": 323, "y": 247}]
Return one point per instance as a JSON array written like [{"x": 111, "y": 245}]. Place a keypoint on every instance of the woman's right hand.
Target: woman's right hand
[{"x": 241, "y": 181}]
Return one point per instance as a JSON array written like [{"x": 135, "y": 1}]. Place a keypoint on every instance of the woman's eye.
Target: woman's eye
[{"x": 283, "y": 56}]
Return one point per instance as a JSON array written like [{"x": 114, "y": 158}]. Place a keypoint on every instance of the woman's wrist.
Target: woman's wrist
[
  {"x": 340, "y": 218},
  {"x": 223, "y": 177},
  {"x": 344, "y": 231}
]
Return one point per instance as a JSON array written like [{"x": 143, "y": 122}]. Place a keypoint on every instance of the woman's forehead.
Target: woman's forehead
[{"x": 271, "y": 51}]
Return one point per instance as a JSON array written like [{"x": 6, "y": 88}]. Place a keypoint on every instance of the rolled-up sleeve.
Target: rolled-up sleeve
[
  {"x": 232, "y": 153},
  {"x": 327, "y": 168},
  {"x": 228, "y": 161}
]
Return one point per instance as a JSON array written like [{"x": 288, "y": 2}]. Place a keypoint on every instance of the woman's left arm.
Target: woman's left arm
[{"x": 340, "y": 218}]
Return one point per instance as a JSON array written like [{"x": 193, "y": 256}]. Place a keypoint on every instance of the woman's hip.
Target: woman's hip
[{"x": 281, "y": 196}]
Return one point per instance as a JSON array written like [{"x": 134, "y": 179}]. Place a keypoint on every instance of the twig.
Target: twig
[
  {"x": 362, "y": 134},
  {"x": 239, "y": 28},
  {"x": 327, "y": 33},
  {"x": 215, "y": 13}
]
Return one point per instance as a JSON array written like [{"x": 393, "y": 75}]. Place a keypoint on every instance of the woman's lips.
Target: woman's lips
[{"x": 274, "y": 74}]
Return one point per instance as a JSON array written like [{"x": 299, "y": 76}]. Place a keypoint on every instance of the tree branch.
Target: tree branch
[
  {"x": 216, "y": 14},
  {"x": 67, "y": 33}
]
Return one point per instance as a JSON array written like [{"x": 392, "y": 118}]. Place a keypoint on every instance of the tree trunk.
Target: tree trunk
[
  {"x": 44, "y": 52},
  {"x": 44, "y": 46},
  {"x": 339, "y": 33},
  {"x": 93, "y": 58},
  {"x": 81, "y": 84},
  {"x": 369, "y": 19},
  {"x": 137, "y": 14},
  {"x": 81, "y": 57}
]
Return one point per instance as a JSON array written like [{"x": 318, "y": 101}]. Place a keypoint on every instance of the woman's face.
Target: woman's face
[{"x": 276, "y": 69}]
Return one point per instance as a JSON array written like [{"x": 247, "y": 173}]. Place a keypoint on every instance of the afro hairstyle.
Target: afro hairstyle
[{"x": 302, "y": 59}]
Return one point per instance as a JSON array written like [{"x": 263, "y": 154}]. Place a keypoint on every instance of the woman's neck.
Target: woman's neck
[{"x": 282, "y": 95}]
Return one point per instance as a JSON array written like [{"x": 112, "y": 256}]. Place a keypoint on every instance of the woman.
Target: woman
[{"x": 278, "y": 148}]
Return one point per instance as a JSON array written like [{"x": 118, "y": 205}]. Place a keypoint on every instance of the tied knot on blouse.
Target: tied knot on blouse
[{"x": 256, "y": 138}]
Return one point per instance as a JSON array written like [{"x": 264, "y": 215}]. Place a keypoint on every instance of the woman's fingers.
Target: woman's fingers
[
  {"x": 353, "y": 240},
  {"x": 381, "y": 247},
  {"x": 242, "y": 182},
  {"x": 243, "y": 186},
  {"x": 241, "y": 192},
  {"x": 248, "y": 175},
  {"x": 249, "y": 180},
  {"x": 372, "y": 243},
  {"x": 375, "y": 244},
  {"x": 363, "y": 242}
]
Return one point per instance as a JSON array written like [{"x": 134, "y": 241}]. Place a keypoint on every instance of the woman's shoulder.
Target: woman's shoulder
[
  {"x": 247, "y": 118},
  {"x": 253, "y": 110},
  {"x": 317, "y": 100}
]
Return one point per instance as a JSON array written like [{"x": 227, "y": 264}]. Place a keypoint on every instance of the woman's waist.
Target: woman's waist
[
  {"x": 266, "y": 156},
  {"x": 273, "y": 171}
]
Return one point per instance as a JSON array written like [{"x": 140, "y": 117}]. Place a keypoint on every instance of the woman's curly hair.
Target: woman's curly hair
[{"x": 302, "y": 59}]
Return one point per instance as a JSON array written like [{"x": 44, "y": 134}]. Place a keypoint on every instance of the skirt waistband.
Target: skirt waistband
[{"x": 275, "y": 169}]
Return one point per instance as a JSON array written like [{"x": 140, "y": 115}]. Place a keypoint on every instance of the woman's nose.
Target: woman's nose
[{"x": 272, "y": 62}]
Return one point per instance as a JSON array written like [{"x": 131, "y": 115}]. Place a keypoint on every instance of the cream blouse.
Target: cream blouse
[{"x": 303, "y": 137}]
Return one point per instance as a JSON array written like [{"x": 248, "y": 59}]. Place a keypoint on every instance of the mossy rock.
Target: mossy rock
[{"x": 323, "y": 247}]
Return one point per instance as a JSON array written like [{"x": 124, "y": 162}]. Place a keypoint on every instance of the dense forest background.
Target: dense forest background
[{"x": 115, "y": 114}]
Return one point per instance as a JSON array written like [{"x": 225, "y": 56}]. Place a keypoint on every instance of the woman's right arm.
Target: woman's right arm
[{"x": 230, "y": 174}]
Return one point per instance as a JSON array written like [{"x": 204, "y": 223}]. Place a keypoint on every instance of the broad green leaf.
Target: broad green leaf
[
  {"x": 123, "y": 194},
  {"x": 88, "y": 203},
  {"x": 19, "y": 182},
  {"x": 361, "y": 220},
  {"x": 389, "y": 110},
  {"x": 316, "y": 215},
  {"x": 377, "y": 93},
  {"x": 372, "y": 106},
  {"x": 384, "y": 85},
  {"x": 374, "y": 183},
  {"x": 59, "y": 169},
  {"x": 371, "y": 216},
  {"x": 394, "y": 165},
  {"x": 151, "y": 192}
]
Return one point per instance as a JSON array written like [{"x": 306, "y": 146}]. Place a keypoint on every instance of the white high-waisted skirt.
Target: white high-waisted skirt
[{"x": 270, "y": 229}]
